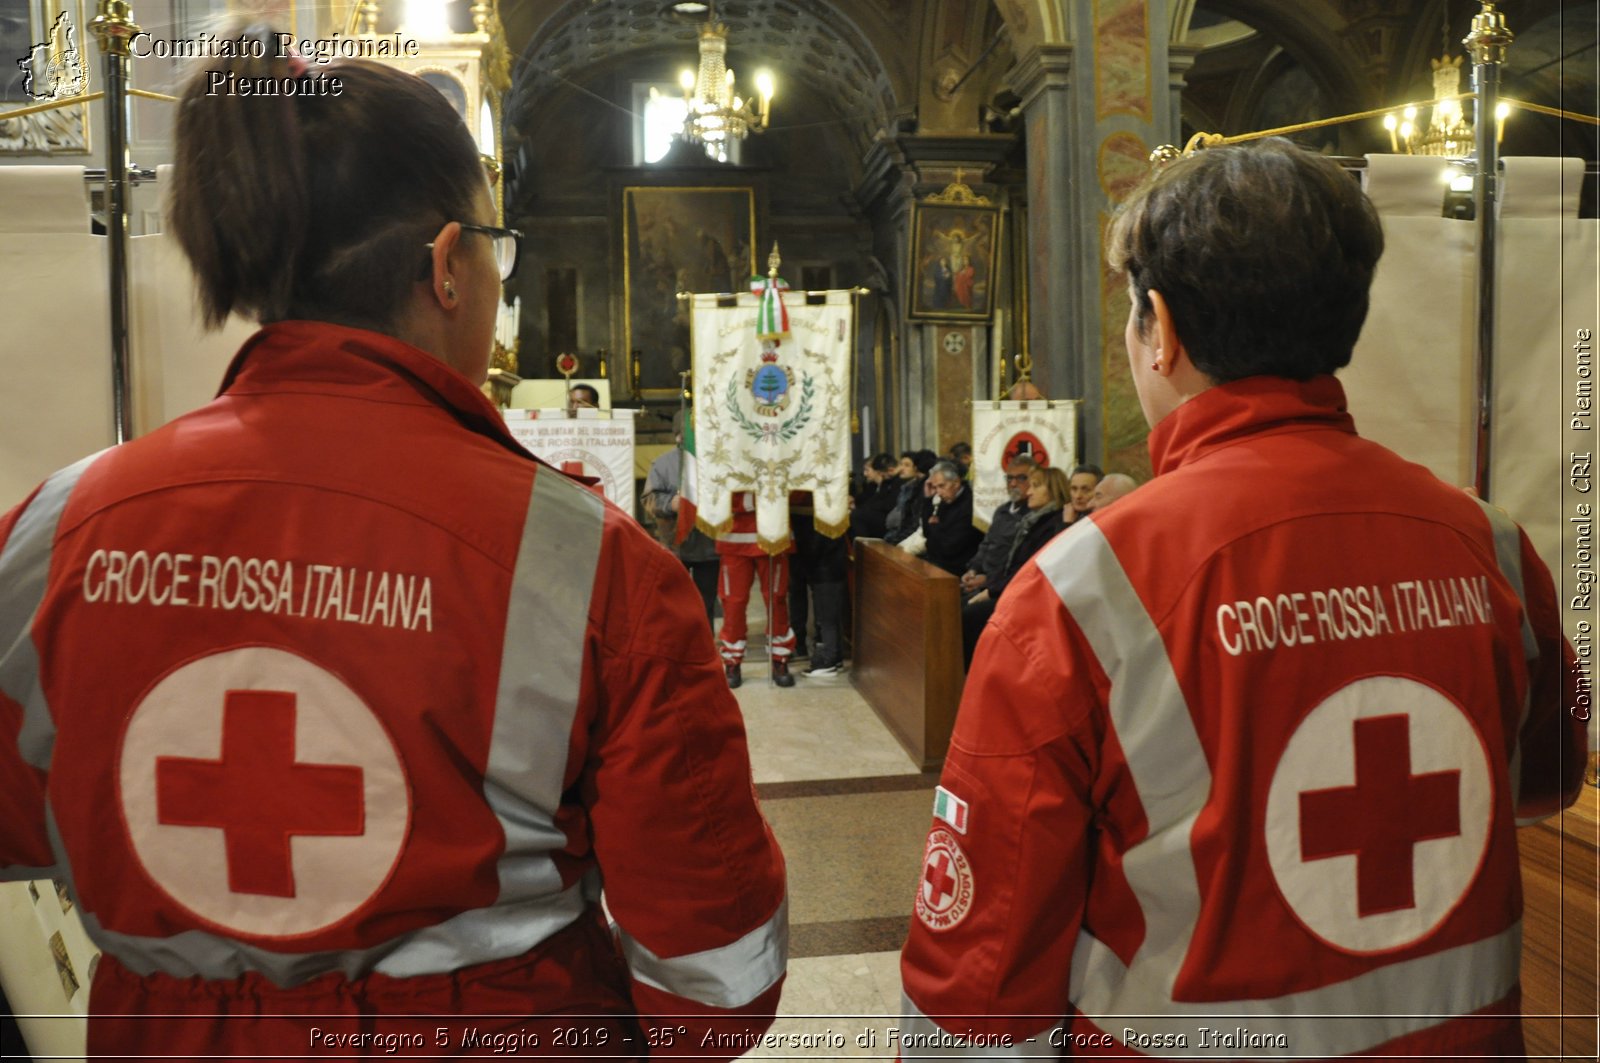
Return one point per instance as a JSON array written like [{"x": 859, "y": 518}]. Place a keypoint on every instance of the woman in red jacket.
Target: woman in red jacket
[{"x": 389, "y": 703}]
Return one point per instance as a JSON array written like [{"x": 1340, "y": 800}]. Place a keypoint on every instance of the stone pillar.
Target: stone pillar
[
  {"x": 1093, "y": 110},
  {"x": 1180, "y": 60}
]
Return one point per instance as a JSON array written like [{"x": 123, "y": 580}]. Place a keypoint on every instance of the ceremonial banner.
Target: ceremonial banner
[
  {"x": 1002, "y": 430},
  {"x": 772, "y": 415},
  {"x": 596, "y": 443}
]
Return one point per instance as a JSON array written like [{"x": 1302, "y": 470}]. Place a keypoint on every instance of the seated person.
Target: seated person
[
  {"x": 1048, "y": 499},
  {"x": 1112, "y": 487},
  {"x": 990, "y": 560},
  {"x": 1085, "y": 478},
  {"x": 946, "y": 536},
  {"x": 961, "y": 454},
  {"x": 583, "y": 397},
  {"x": 906, "y": 516},
  {"x": 878, "y": 495}
]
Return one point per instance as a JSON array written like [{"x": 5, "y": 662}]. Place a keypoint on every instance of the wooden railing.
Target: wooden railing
[{"x": 907, "y": 649}]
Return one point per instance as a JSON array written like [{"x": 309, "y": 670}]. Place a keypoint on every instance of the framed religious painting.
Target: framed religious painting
[
  {"x": 953, "y": 253},
  {"x": 676, "y": 239}
]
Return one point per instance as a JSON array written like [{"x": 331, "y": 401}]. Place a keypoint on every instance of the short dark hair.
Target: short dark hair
[
  {"x": 1091, "y": 468},
  {"x": 594, "y": 393},
  {"x": 1263, "y": 252},
  {"x": 881, "y": 462},
  {"x": 924, "y": 460},
  {"x": 316, "y": 206},
  {"x": 961, "y": 450}
]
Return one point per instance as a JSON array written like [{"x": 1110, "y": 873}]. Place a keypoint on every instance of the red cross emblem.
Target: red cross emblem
[
  {"x": 1383, "y": 816},
  {"x": 941, "y": 883},
  {"x": 1378, "y": 814},
  {"x": 572, "y": 468},
  {"x": 257, "y": 794},
  {"x": 261, "y": 793},
  {"x": 944, "y": 896}
]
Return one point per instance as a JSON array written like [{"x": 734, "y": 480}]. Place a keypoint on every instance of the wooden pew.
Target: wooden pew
[
  {"x": 1559, "y": 931},
  {"x": 907, "y": 648}
]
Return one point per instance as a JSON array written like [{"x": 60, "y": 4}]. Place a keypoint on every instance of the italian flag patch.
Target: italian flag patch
[{"x": 950, "y": 808}]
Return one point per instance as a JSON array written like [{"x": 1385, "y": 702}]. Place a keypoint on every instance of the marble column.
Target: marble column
[{"x": 1094, "y": 109}]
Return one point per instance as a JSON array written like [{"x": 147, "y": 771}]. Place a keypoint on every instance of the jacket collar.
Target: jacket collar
[
  {"x": 1228, "y": 413},
  {"x": 361, "y": 362}
]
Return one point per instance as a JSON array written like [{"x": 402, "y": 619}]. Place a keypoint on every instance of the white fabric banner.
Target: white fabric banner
[
  {"x": 1411, "y": 380},
  {"x": 1046, "y": 431},
  {"x": 596, "y": 443},
  {"x": 777, "y": 425}
]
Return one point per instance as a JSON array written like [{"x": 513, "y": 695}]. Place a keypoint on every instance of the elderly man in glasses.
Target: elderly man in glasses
[{"x": 990, "y": 559}]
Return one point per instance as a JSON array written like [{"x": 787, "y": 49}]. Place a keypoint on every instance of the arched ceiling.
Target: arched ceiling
[{"x": 801, "y": 42}]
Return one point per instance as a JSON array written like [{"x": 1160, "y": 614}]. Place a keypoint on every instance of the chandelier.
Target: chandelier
[
  {"x": 716, "y": 114},
  {"x": 1447, "y": 132}
]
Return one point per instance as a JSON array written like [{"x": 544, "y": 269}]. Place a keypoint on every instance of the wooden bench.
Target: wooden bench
[
  {"x": 1559, "y": 932},
  {"x": 907, "y": 647}
]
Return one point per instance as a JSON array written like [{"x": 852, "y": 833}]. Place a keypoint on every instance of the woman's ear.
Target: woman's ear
[
  {"x": 1163, "y": 332},
  {"x": 444, "y": 284}
]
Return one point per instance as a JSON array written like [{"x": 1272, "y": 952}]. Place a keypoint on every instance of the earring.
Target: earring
[
  {"x": 1155, "y": 367},
  {"x": 450, "y": 291}
]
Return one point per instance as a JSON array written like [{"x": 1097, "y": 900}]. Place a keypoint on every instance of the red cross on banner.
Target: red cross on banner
[
  {"x": 258, "y": 795},
  {"x": 572, "y": 468},
  {"x": 1383, "y": 816}
]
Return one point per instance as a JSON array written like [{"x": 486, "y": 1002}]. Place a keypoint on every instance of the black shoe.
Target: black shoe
[
  {"x": 780, "y": 672},
  {"x": 735, "y": 679},
  {"x": 822, "y": 669}
]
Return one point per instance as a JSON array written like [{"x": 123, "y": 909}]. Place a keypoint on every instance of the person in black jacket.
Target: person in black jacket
[
  {"x": 1049, "y": 494},
  {"x": 878, "y": 495},
  {"x": 905, "y": 519},
  {"x": 947, "y": 537}
]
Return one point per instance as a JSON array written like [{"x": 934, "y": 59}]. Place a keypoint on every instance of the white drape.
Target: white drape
[{"x": 55, "y": 347}]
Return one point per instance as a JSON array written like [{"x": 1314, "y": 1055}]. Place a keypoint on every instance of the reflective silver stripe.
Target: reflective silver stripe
[
  {"x": 1156, "y": 731},
  {"x": 1333, "y": 1020},
  {"x": 737, "y": 537},
  {"x": 1508, "y": 555},
  {"x": 922, "y": 1038},
  {"x": 24, "y": 571},
  {"x": 492, "y": 933},
  {"x": 727, "y": 977},
  {"x": 541, "y": 667},
  {"x": 478, "y": 936}
]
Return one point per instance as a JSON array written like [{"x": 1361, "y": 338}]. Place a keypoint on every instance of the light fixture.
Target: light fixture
[
  {"x": 1447, "y": 132},
  {"x": 717, "y": 115}
]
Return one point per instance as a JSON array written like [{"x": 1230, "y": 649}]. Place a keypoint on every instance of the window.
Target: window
[{"x": 659, "y": 111}]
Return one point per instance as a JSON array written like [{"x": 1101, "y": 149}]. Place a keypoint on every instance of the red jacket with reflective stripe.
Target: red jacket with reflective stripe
[
  {"x": 340, "y": 703},
  {"x": 1248, "y": 751}
]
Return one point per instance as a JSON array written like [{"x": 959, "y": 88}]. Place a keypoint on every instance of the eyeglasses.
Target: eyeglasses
[
  {"x": 507, "y": 247},
  {"x": 1018, "y": 478}
]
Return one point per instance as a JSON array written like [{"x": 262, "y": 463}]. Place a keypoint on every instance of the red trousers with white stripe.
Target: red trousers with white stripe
[{"x": 733, "y": 590}]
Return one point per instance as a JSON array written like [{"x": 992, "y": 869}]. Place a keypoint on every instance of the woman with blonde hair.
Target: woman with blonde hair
[{"x": 1049, "y": 495}]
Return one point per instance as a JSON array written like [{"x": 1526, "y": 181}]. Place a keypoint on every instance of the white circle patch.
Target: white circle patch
[
  {"x": 944, "y": 896},
  {"x": 1378, "y": 815},
  {"x": 261, "y": 793}
]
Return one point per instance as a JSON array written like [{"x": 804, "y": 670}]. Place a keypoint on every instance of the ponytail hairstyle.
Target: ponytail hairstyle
[{"x": 315, "y": 205}]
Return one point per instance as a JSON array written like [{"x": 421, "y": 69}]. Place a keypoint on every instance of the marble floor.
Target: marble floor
[{"x": 851, "y": 811}]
